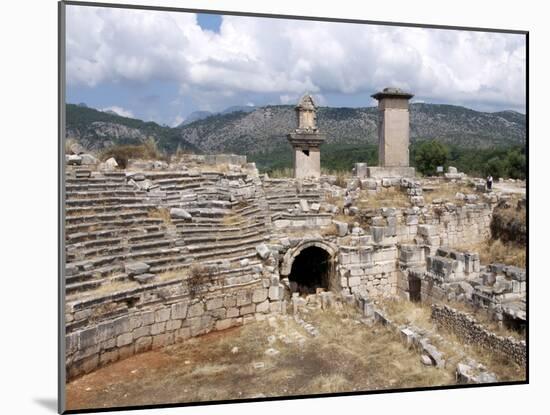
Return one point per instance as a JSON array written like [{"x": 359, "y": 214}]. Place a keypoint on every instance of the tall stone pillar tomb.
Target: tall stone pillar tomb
[
  {"x": 393, "y": 134},
  {"x": 306, "y": 140}
]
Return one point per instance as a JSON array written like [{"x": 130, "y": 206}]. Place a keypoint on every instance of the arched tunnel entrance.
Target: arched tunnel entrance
[{"x": 312, "y": 269}]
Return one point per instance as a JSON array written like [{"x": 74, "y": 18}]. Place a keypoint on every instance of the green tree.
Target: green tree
[
  {"x": 429, "y": 155},
  {"x": 496, "y": 167},
  {"x": 517, "y": 164}
]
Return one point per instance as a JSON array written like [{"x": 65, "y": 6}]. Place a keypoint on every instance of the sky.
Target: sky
[{"x": 161, "y": 66}]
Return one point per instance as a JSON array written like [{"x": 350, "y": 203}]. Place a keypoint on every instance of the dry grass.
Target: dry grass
[
  {"x": 346, "y": 356},
  {"x": 342, "y": 176},
  {"x": 496, "y": 251},
  {"x": 454, "y": 349},
  {"x": 111, "y": 286},
  {"x": 68, "y": 143},
  {"x": 172, "y": 275},
  {"x": 217, "y": 168},
  {"x": 233, "y": 219},
  {"x": 282, "y": 173},
  {"x": 386, "y": 197},
  {"x": 147, "y": 150},
  {"x": 160, "y": 213},
  {"x": 407, "y": 312},
  {"x": 447, "y": 192},
  {"x": 329, "y": 230}
]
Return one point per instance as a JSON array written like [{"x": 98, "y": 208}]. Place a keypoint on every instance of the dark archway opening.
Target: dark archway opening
[
  {"x": 311, "y": 270},
  {"x": 415, "y": 286}
]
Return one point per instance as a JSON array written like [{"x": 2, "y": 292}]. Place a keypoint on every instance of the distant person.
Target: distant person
[{"x": 489, "y": 182}]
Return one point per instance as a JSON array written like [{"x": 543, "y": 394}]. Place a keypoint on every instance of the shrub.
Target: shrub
[
  {"x": 148, "y": 150},
  {"x": 200, "y": 276}
]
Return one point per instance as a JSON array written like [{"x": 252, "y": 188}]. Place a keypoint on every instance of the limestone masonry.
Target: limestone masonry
[{"x": 159, "y": 252}]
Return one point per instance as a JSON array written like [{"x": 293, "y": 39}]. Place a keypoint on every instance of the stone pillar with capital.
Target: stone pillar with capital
[
  {"x": 306, "y": 140},
  {"x": 393, "y": 134}
]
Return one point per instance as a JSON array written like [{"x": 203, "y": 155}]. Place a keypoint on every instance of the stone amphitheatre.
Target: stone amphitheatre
[{"x": 202, "y": 271}]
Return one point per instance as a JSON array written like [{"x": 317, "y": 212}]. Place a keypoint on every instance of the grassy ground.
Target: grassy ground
[
  {"x": 346, "y": 356},
  {"x": 496, "y": 251},
  {"x": 447, "y": 191},
  {"x": 386, "y": 197},
  {"x": 406, "y": 312}
]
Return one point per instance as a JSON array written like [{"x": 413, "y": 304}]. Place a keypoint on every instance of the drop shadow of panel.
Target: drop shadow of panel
[{"x": 48, "y": 403}]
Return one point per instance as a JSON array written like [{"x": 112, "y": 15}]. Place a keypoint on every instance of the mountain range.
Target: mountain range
[{"x": 254, "y": 130}]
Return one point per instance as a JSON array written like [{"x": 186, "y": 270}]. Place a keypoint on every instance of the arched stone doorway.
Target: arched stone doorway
[{"x": 310, "y": 266}]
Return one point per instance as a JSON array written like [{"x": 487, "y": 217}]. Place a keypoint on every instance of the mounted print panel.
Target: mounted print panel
[{"x": 281, "y": 207}]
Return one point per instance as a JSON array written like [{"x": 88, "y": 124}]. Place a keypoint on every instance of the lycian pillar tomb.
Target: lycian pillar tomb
[
  {"x": 393, "y": 134},
  {"x": 306, "y": 140}
]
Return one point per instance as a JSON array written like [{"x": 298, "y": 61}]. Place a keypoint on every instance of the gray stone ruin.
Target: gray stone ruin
[{"x": 306, "y": 140}]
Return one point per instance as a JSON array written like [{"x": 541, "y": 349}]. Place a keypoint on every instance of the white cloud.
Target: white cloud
[
  {"x": 284, "y": 58},
  {"x": 120, "y": 111},
  {"x": 177, "y": 121}
]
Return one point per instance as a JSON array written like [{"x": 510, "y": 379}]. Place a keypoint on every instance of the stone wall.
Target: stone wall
[
  {"x": 369, "y": 269},
  {"x": 105, "y": 331},
  {"x": 469, "y": 330}
]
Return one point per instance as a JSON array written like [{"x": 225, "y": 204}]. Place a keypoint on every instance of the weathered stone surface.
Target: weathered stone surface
[
  {"x": 124, "y": 339},
  {"x": 162, "y": 315},
  {"x": 341, "y": 228},
  {"x": 259, "y": 295},
  {"x": 144, "y": 278},
  {"x": 263, "y": 307},
  {"x": 74, "y": 159},
  {"x": 263, "y": 251},
  {"x": 214, "y": 303},
  {"x": 110, "y": 163},
  {"x": 88, "y": 159},
  {"x": 178, "y": 213},
  {"x": 196, "y": 310},
  {"x": 136, "y": 268}
]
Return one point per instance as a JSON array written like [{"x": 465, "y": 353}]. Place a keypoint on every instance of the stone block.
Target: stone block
[
  {"x": 136, "y": 268},
  {"x": 275, "y": 293},
  {"x": 259, "y": 295},
  {"x": 172, "y": 325},
  {"x": 178, "y": 213},
  {"x": 244, "y": 298},
  {"x": 108, "y": 357},
  {"x": 224, "y": 324},
  {"x": 124, "y": 339},
  {"x": 262, "y": 307},
  {"x": 354, "y": 281},
  {"x": 248, "y": 309},
  {"x": 88, "y": 338},
  {"x": 141, "y": 332},
  {"x": 148, "y": 317},
  {"x": 179, "y": 310},
  {"x": 232, "y": 312},
  {"x": 158, "y": 328},
  {"x": 263, "y": 251},
  {"x": 162, "y": 315},
  {"x": 162, "y": 340},
  {"x": 214, "y": 303},
  {"x": 143, "y": 344},
  {"x": 360, "y": 170},
  {"x": 196, "y": 310}
]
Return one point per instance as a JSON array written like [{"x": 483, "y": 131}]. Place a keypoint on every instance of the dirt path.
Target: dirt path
[{"x": 507, "y": 187}]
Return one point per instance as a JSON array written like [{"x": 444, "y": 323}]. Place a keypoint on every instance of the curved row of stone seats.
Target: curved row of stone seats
[
  {"x": 103, "y": 234},
  {"x": 284, "y": 194},
  {"x": 107, "y": 224}
]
